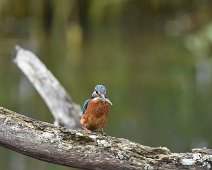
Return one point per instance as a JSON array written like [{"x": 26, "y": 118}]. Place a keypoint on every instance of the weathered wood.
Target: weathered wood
[
  {"x": 77, "y": 148},
  {"x": 80, "y": 149},
  {"x": 65, "y": 111}
]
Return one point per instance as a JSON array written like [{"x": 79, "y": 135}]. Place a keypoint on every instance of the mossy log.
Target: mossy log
[{"x": 78, "y": 148}]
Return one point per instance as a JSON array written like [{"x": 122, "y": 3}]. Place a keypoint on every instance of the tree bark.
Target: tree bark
[{"x": 77, "y": 148}]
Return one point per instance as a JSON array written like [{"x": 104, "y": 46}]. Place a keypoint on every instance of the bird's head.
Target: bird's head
[{"x": 100, "y": 91}]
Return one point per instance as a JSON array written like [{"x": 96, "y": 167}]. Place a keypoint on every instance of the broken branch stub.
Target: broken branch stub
[{"x": 65, "y": 112}]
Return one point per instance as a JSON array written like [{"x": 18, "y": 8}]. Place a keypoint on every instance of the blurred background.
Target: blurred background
[{"x": 154, "y": 57}]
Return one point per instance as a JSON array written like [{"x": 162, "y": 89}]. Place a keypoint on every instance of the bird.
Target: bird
[{"x": 95, "y": 110}]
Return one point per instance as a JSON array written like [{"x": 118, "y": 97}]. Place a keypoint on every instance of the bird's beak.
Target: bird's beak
[
  {"x": 102, "y": 96},
  {"x": 106, "y": 99}
]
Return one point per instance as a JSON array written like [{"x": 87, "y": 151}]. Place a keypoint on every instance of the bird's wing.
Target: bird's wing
[{"x": 85, "y": 106}]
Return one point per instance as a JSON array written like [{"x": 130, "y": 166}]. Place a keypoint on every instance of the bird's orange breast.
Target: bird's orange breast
[{"x": 95, "y": 115}]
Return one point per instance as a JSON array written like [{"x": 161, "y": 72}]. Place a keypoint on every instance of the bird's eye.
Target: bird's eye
[{"x": 97, "y": 92}]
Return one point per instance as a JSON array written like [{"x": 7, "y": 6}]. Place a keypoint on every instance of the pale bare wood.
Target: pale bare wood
[{"x": 65, "y": 111}]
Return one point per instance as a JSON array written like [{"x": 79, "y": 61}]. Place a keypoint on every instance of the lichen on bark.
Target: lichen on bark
[{"x": 78, "y": 148}]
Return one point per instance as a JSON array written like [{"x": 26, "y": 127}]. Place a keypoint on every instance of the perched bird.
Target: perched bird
[{"x": 95, "y": 110}]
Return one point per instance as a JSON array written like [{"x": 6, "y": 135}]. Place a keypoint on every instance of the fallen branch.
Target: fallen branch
[
  {"x": 76, "y": 148},
  {"x": 62, "y": 107}
]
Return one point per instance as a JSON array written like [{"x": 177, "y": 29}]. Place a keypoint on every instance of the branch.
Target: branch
[
  {"x": 79, "y": 149},
  {"x": 76, "y": 148},
  {"x": 64, "y": 110}
]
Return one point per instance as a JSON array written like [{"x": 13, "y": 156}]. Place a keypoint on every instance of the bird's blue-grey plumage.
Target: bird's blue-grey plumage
[
  {"x": 101, "y": 92},
  {"x": 85, "y": 106},
  {"x": 101, "y": 89}
]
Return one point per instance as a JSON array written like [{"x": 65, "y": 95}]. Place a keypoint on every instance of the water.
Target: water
[{"x": 160, "y": 89}]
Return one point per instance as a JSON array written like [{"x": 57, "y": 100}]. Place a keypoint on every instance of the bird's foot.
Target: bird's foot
[
  {"x": 99, "y": 132},
  {"x": 86, "y": 130},
  {"x": 103, "y": 133}
]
